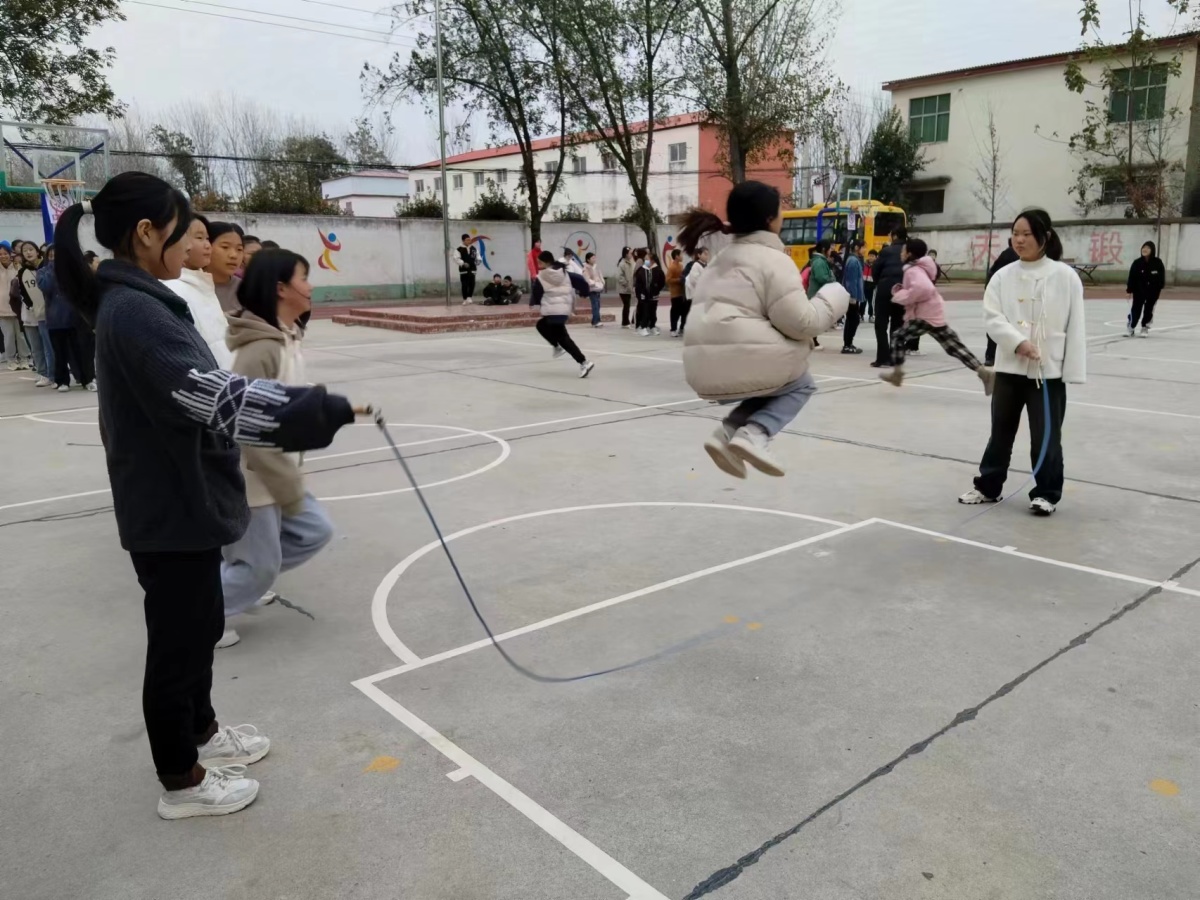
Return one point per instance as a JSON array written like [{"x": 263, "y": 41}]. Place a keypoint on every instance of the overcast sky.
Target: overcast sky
[{"x": 164, "y": 55}]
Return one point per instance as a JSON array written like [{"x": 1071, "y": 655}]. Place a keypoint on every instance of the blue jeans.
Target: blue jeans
[
  {"x": 595, "y": 298},
  {"x": 774, "y": 412},
  {"x": 38, "y": 338},
  {"x": 272, "y": 544}
]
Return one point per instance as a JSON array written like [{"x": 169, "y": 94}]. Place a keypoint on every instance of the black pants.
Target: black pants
[
  {"x": 185, "y": 616},
  {"x": 71, "y": 355},
  {"x": 889, "y": 317},
  {"x": 869, "y": 296},
  {"x": 625, "y": 300},
  {"x": 1143, "y": 308},
  {"x": 468, "y": 284},
  {"x": 853, "y": 316},
  {"x": 1015, "y": 393},
  {"x": 989, "y": 355},
  {"x": 554, "y": 330},
  {"x": 647, "y": 313},
  {"x": 680, "y": 307}
]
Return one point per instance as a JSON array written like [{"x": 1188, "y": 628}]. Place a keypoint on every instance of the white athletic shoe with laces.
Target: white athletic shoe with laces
[
  {"x": 64, "y": 388},
  {"x": 973, "y": 498},
  {"x": 718, "y": 450},
  {"x": 751, "y": 444},
  {"x": 224, "y": 790},
  {"x": 91, "y": 386},
  {"x": 586, "y": 369},
  {"x": 42, "y": 381},
  {"x": 228, "y": 638},
  {"x": 234, "y": 745},
  {"x": 1040, "y": 506}
]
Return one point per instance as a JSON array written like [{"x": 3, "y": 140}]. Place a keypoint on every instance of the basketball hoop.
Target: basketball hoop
[{"x": 59, "y": 193}]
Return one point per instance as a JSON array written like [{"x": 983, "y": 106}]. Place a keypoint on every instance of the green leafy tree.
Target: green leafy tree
[
  {"x": 292, "y": 184},
  {"x": 633, "y": 216},
  {"x": 47, "y": 71},
  {"x": 365, "y": 145},
  {"x": 420, "y": 208},
  {"x": 180, "y": 152},
  {"x": 572, "y": 212},
  {"x": 892, "y": 157},
  {"x": 493, "y": 206}
]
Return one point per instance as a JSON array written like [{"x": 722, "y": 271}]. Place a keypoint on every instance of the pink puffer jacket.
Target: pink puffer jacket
[{"x": 920, "y": 299}]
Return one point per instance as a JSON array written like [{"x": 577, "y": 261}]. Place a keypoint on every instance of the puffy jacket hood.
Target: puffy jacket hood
[
  {"x": 246, "y": 328},
  {"x": 927, "y": 265},
  {"x": 554, "y": 277}
]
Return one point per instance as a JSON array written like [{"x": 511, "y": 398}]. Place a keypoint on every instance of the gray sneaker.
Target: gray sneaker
[
  {"x": 751, "y": 445},
  {"x": 223, "y": 791},
  {"x": 234, "y": 745}
]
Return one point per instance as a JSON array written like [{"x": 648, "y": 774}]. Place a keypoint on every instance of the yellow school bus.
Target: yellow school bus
[{"x": 872, "y": 222}]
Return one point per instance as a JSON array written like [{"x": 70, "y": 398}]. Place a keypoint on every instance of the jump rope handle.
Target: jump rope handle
[{"x": 373, "y": 412}]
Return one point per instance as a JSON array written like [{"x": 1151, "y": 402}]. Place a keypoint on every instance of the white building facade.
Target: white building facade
[
  {"x": 684, "y": 171},
  {"x": 373, "y": 193},
  {"x": 1035, "y": 115}
]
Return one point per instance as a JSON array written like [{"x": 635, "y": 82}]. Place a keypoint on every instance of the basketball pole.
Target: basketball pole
[{"x": 441, "y": 91}]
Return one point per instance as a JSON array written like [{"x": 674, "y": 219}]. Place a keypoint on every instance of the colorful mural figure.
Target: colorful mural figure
[
  {"x": 477, "y": 240},
  {"x": 578, "y": 245},
  {"x": 667, "y": 248},
  {"x": 332, "y": 245}
]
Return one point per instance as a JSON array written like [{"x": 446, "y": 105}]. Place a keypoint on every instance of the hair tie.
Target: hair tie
[
  {"x": 87, "y": 207},
  {"x": 726, "y": 228}
]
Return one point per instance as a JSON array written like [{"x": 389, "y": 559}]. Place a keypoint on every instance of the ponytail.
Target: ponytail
[
  {"x": 121, "y": 204},
  {"x": 697, "y": 225},
  {"x": 1043, "y": 232}
]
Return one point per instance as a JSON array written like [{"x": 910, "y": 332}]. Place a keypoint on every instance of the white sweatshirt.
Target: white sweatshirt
[
  {"x": 195, "y": 286},
  {"x": 1040, "y": 302},
  {"x": 693, "y": 279}
]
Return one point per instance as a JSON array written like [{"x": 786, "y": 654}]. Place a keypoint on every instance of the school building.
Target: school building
[
  {"x": 684, "y": 163},
  {"x": 1035, "y": 115}
]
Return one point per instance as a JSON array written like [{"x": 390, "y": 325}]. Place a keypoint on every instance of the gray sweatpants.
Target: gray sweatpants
[
  {"x": 272, "y": 544},
  {"x": 774, "y": 412}
]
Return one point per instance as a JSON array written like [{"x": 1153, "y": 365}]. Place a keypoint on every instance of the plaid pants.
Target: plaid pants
[{"x": 943, "y": 334}]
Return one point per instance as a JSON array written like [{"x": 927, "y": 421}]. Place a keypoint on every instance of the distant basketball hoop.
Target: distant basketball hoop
[
  {"x": 59, "y": 193},
  {"x": 854, "y": 187}
]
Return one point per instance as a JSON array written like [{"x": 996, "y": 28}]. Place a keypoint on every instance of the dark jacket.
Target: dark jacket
[
  {"x": 1147, "y": 277},
  {"x": 1007, "y": 257},
  {"x": 169, "y": 419},
  {"x": 888, "y": 271},
  {"x": 60, "y": 315},
  {"x": 468, "y": 259},
  {"x": 649, "y": 283}
]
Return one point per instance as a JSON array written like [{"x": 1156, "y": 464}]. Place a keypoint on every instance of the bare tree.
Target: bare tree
[{"x": 991, "y": 186}]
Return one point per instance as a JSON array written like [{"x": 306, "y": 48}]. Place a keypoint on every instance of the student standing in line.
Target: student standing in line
[
  {"x": 852, "y": 281},
  {"x": 675, "y": 291},
  {"x": 168, "y": 420},
  {"x": 595, "y": 281},
  {"x": 869, "y": 284},
  {"x": 195, "y": 286},
  {"x": 1147, "y": 278},
  {"x": 554, "y": 292},
  {"x": 10, "y": 322},
  {"x": 625, "y": 272},
  {"x": 531, "y": 262},
  {"x": 226, "y": 259},
  {"x": 750, "y": 339},
  {"x": 71, "y": 356},
  {"x": 889, "y": 272},
  {"x": 648, "y": 283},
  {"x": 1034, "y": 311},
  {"x": 467, "y": 256},
  {"x": 288, "y": 526},
  {"x": 820, "y": 273},
  {"x": 33, "y": 314},
  {"x": 1007, "y": 257},
  {"x": 250, "y": 246},
  {"x": 691, "y": 283}
]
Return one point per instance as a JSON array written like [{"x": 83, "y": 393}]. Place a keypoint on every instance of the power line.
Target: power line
[
  {"x": 282, "y": 16},
  {"x": 200, "y": 12},
  {"x": 342, "y": 6}
]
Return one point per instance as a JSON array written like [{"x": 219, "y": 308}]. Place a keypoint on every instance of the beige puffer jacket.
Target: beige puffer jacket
[{"x": 751, "y": 330}]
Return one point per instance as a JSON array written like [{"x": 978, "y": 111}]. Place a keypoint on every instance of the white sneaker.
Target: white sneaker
[
  {"x": 655, "y": 332},
  {"x": 468, "y": 302},
  {"x": 973, "y": 498},
  {"x": 1041, "y": 507},
  {"x": 751, "y": 444},
  {"x": 223, "y": 791},
  {"x": 586, "y": 369},
  {"x": 91, "y": 386},
  {"x": 674, "y": 333},
  {"x": 598, "y": 325},
  {"x": 1130, "y": 331},
  {"x": 234, "y": 745},
  {"x": 558, "y": 351},
  {"x": 13, "y": 365},
  {"x": 643, "y": 332},
  {"x": 718, "y": 450},
  {"x": 42, "y": 381},
  {"x": 228, "y": 639},
  {"x": 63, "y": 388},
  {"x": 1145, "y": 331}
]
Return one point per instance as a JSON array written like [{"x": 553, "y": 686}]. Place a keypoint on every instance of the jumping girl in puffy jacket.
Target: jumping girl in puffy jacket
[
  {"x": 749, "y": 340},
  {"x": 925, "y": 313}
]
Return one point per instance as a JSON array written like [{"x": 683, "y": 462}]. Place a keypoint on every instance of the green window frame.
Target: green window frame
[
  {"x": 929, "y": 119},
  {"x": 1138, "y": 95}
]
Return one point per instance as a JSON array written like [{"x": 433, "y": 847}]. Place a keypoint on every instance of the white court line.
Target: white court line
[
  {"x": 1098, "y": 337},
  {"x": 601, "y": 862},
  {"x": 1190, "y": 362},
  {"x": 53, "y": 499},
  {"x": 458, "y": 775},
  {"x": 1128, "y": 409},
  {"x": 48, "y": 412},
  {"x": 383, "y": 626}
]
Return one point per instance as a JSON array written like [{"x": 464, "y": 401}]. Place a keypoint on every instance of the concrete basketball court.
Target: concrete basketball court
[{"x": 855, "y": 691}]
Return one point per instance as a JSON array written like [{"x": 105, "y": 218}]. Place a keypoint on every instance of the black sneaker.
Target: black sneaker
[{"x": 851, "y": 350}]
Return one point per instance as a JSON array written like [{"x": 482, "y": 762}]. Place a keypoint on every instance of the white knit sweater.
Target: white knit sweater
[{"x": 1040, "y": 302}]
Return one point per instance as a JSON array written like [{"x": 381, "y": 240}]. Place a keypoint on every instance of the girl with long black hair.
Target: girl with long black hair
[
  {"x": 169, "y": 420},
  {"x": 1147, "y": 278},
  {"x": 1033, "y": 310}
]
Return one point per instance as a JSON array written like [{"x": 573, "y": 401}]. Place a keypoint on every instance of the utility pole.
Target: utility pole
[{"x": 437, "y": 28}]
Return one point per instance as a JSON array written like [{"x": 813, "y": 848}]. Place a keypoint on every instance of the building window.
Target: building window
[
  {"x": 678, "y": 152},
  {"x": 1138, "y": 95},
  {"x": 579, "y": 165},
  {"x": 456, "y": 182},
  {"x": 437, "y": 184},
  {"x": 929, "y": 118},
  {"x": 552, "y": 167},
  {"x": 926, "y": 203},
  {"x": 478, "y": 179},
  {"x": 639, "y": 159},
  {"x": 502, "y": 176},
  {"x": 608, "y": 162},
  {"x": 420, "y": 186}
]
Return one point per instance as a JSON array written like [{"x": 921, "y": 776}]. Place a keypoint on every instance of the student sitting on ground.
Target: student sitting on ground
[
  {"x": 493, "y": 293},
  {"x": 512, "y": 293}
]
